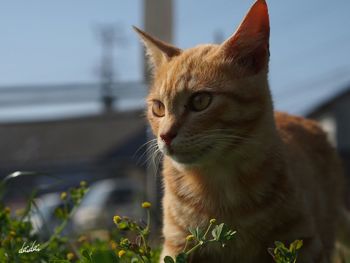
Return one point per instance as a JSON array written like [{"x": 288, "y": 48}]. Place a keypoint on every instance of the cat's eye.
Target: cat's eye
[
  {"x": 200, "y": 101},
  {"x": 158, "y": 108}
]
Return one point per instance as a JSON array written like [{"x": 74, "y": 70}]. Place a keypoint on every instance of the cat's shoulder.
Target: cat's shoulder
[
  {"x": 296, "y": 123},
  {"x": 291, "y": 127}
]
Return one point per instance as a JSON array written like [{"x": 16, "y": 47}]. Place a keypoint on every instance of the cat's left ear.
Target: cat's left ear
[
  {"x": 248, "y": 47},
  {"x": 158, "y": 51}
]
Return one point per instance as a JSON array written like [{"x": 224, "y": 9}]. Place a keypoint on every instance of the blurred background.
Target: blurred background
[{"x": 73, "y": 82}]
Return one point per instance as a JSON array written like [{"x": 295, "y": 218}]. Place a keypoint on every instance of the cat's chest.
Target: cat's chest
[
  {"x": 211, "y": 188},
  {"x": 223, "y": 186}
]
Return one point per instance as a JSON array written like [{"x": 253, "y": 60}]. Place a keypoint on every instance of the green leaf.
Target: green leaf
[
  {"x": 123, "y": 225},
  {"x": 168, "y": 259},
  {"x": 298, "y": 244},
  {"x": 87, "y": 254},
  {"x": 145, "y": 259},
  {"x": 181, "y": 258},
  {"x": 102, "y": 255},
  {"x": 282, "y": 254},
  {"x": 217, "y": 232},
  {"x": 197, "y": 233},
  {"x": 279, "y": 244},
  {"x": 229, "y": 234}
]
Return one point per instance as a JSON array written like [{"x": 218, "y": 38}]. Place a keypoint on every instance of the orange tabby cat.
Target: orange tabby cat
[{"x": 227, "y": 155}]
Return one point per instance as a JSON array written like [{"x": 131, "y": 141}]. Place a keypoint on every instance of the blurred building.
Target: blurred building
[
  {"x": 327, "y": 100},
  {"x": 67, "y": 148},
  {"x": 333, "y": 113}
]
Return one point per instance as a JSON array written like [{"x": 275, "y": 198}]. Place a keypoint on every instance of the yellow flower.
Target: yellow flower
[
  {"x": 113, "y": 245},
  {"x": 190, "y": 237},
  {"x": 212, "y": 221},
  {"x": 63, "y": 196},
  {"x": 70, "y": 256},
  {"x": 121, "y": 253},
  {"x": 125, "y": 242},
  {"x": 7, "y": 210},
  {"x": 146, "y": 205},
  {"x": 117, "y": 219},
  {"x": 83, "y": 183}
]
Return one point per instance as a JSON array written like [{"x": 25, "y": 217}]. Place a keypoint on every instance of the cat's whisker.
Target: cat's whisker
[
  {"x": 146, "y": 143},
  {"x": 143, "y": 146},
  {"x": 159, "y": 156},
  {"x": 154, "y": 156},
  {"x": 147, "y": 160},
  {"x": 149, "y": 152},
  {"x": 219, "y": 133},
  {"x": 229, "y": 132},
  {"x": 236, "y": 150},
  {"x": 146, "y": 152},
  {"x": 216, "y": 138}
]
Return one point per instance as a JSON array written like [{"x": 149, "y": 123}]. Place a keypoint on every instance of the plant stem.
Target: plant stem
[
  {"x": 144, "y": 242},
  {"x": 207, "y": 231},
  {"x": 148, "y": 220},
  {"x": 60, "y": 228},
  {"x": 184, "y": 250},
  {"x": 194, "y": 248}
]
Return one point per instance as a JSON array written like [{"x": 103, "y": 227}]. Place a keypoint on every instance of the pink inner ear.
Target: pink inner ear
[
  {"x": 250, "y": 43},
  {"x": 256, "y": 23}
]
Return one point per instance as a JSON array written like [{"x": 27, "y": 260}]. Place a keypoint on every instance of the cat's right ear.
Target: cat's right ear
[
  {"x": 158, "y": 51},
  {"x": 248, "y": 47}
]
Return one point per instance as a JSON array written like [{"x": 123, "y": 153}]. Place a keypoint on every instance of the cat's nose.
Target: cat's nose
[{"x": 168, "y": 137}]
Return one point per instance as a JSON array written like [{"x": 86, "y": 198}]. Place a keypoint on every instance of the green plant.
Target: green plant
[
  {"x": 219, "y": 234},
  {"x": 128, "y": 242},
  {"x": 282, "y": 254},
  {"x": 139, "y": 250},
  {"x": 18, "y": 241}
]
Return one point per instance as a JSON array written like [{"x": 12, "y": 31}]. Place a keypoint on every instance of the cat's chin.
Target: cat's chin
[
  {"x": 189, "y": 160},
  {"x": 185, "y": 160}
]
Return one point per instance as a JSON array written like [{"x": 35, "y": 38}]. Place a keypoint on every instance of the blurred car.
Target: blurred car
[
  {"x": 105, "y": 199},
  {"x": 42, "y": 214}
]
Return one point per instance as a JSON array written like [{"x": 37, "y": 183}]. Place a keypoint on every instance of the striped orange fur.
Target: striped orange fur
[{"x": 227, "y": 155}]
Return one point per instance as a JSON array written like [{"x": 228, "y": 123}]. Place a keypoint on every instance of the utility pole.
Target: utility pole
[
  {"x": 158, "y": 21},
  {"x": 109, "y": 39}
]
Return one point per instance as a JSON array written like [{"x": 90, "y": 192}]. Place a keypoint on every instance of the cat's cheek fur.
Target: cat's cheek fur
[{"x": 163, "y": 148}]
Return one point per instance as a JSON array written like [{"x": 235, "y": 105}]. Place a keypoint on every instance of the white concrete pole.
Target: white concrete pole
[{"x": 158, "y": 21}]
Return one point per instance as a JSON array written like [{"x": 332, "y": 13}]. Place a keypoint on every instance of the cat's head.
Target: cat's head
[{"x": 206, "y": 100}]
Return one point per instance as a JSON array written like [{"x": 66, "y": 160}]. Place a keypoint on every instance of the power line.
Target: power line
[{"x": 109, "y": 37}]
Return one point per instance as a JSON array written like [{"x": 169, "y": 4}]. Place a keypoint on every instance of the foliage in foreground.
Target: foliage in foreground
[
  {"x": 139, "y": 250},
  {"x": 282, "y": 254},
  {"x": 127, "y": 243}
]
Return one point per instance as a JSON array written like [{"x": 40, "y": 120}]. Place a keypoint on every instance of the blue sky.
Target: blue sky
[
  {"x": 47, "y": 42},
  {"x": 56, "y": 41}
]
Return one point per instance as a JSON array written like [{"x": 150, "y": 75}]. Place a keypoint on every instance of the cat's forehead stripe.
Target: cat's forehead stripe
[
  {"x": 181, "y": 75},
  {"x": 191, "y": 81},
  {"x": 180, "y": 84},
  {"x": 176, "y": 81}
]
